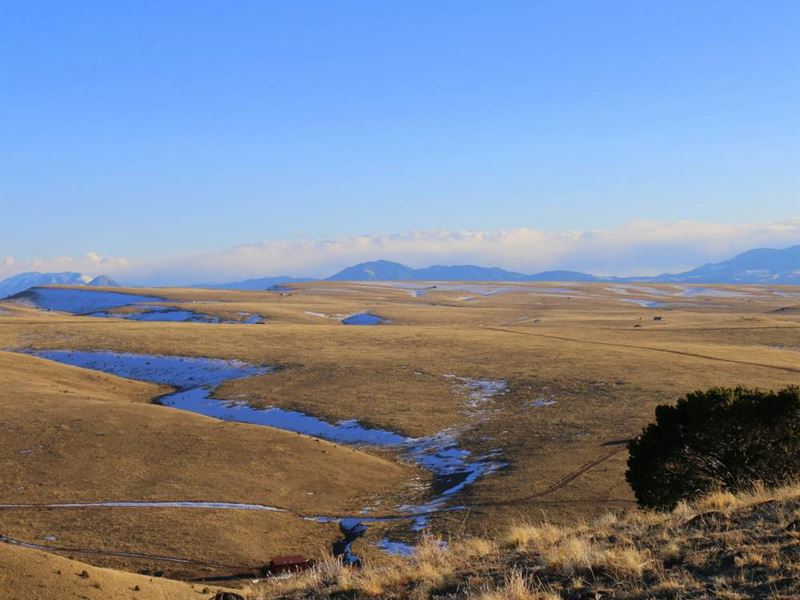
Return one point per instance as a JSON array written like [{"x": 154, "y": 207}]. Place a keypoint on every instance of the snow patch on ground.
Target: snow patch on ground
[
  {"x": 81, "y": 302},
  {"x": 478, "y": 392},
  {"x": 320, "y": 315},
  {"x": 94, "y": 303},
  {"x": 691, "y": 292},
  {"x": 364, "y": 318},
  {"x": 453, "y": 467},
  {"x": 541, "y": 402},
  {"x": 395, "y": 547},
  {"x": 642, "y": 289},
  {"x": 196, "y": 378},
  {"x": 644, "y": 303}
]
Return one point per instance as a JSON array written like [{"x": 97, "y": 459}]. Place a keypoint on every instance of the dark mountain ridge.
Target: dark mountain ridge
[
  {"x": 762, "y": 265},
  {"x": 758, "y": 266}
]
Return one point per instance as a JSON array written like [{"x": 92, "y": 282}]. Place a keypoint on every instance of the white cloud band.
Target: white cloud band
[{"x": 641, "y": 247}]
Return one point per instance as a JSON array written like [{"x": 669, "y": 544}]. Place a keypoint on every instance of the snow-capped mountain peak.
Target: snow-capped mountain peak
[{"x": 23, "y": 281}]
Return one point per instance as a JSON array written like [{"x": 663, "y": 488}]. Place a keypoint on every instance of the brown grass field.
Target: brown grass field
[
  {"x": 72, "y": 435},
  {"x": 722, "y": 546}
]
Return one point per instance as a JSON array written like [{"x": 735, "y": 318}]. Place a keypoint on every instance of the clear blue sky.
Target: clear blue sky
[{"x": 159, "y": 128}]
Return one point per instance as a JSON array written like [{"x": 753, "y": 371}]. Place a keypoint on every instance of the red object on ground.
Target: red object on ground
[{"x": 289, "y": 564}]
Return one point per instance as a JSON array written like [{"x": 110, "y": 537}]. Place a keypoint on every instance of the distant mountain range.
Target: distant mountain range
[
  {"x": 103, "y": 281},
  {"x": 384, "y": 270},
  {"x": 762, "y": 265},
  {"x": 755, "y": 266},
  {"x": 23, "y": 281}
]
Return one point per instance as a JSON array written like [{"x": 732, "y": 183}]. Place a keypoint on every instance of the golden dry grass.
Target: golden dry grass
[
  {"x": 72, "y": 435},
  {"x": 35, "y": 575},
  {"x": 517, "y": 587},
  {"x": 581, "y": 350},
  {"x": 753, "y": 552}
]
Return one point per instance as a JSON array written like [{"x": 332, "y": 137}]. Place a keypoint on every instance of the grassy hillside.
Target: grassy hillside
[
  {"x": 35, "y": 575},
  {"x": 584, "y": 365},
  {"x": 73, "y": 435},
  {"x": 576, "y": 345},
  {"x": 723, "y": 546}
]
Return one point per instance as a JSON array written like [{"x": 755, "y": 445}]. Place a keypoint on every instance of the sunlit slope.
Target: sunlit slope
[
  {"x": 35, "y": 575},
  {"x": 585, "y": 370},
  {"x": 73, "y": 435}
]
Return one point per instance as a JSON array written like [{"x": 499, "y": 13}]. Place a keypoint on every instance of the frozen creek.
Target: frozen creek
[
  {"x": 195, "y": 379},
  {"x": 97, "y": 303}
]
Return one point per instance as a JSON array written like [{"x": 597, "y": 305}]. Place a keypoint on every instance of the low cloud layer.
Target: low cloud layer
[{"x": 642, "y": 248}]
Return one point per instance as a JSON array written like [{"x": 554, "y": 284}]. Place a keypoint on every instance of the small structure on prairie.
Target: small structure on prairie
[{"x": 293, "y": 563}]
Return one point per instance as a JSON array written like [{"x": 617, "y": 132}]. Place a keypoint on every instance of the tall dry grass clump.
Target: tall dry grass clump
[
  {"x": 534, "y": 537},
  {"x": 626, "y": 563},
  {"x": 646, "y": 554},
  {"x": 517, "y": 587},
  {"x": 431, "y": 562}
]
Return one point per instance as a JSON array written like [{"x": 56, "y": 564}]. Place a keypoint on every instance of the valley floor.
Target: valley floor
[{"x": 571, "y": 371}]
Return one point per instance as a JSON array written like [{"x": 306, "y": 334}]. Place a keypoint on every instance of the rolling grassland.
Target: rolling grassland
[{"x": 542, "y": 384}]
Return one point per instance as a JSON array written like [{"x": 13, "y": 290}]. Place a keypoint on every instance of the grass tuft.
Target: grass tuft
[{"x": 645, "y": 553}]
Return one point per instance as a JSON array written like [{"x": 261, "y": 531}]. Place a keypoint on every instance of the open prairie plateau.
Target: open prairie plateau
[{"x": 152, "y": 435}]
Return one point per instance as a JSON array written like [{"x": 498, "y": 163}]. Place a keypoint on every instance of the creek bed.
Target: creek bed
[
  {"x": 195, "y": 379},
  {"x": 98, "y": 303}
]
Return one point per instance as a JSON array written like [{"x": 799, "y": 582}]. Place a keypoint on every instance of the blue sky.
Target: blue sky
[{"x": 149, "y": 131}]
